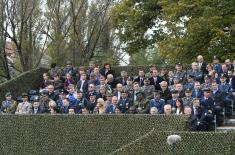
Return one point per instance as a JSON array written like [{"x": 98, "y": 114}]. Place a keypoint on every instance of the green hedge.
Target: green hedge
[
  {"x": 84, "y": 134},
  {"x": 22, "y": 83}
]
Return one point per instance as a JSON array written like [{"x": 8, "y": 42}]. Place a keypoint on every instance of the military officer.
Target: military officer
[
  {"x": 9, "y": 105},
  {"x": 188, "y": 99},
  {"x": 141, "y": 104}
]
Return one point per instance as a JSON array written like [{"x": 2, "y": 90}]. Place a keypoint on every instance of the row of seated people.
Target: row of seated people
[
  {"x": 140, "y": 97},
  {"x": 82, "y": 78},
  {"x": 197, "y": 109}
]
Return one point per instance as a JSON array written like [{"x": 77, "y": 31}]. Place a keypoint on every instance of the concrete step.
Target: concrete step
[
  {"x": 229, "y": 121},
  {"x": 225, "y": 128}
]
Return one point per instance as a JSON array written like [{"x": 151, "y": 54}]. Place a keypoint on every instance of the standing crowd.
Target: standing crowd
[{"x": 202, "y": 93}]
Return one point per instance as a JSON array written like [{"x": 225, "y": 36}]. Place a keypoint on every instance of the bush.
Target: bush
[{"x": 23, "y": 83}]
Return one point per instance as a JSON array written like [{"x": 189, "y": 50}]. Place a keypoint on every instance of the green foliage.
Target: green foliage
[
  {"x": 147, "y": 57},
  {"x": 132, "y": 19},
  {"x": 207, "y": 28},
  {"x": 181, "y": 28},
  {"x": 23, "y": 83}
]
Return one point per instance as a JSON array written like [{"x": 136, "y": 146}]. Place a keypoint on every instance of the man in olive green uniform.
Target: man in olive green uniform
[
  {"x": 141, "y": 104},
  {"x": 9, "y": 105}
]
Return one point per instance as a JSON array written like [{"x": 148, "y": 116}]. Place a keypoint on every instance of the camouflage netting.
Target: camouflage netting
[
  {"x": 87, "y": 134},
  {"x": 216, "y": 143},
  {"x": 104, "y": 134}
]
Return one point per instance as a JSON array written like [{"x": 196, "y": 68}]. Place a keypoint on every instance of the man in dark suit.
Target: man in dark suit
[
  {"x": 174, "y": 97},
  {"x": 35, "y": 106},
  {"x": 231, "y": 79},
  {"x": 82, "y": 84},
  {"x": 218, "y": 96},
  {"x": 156, "y": 79},
  {"x": 197, "y": 92},
  {"x": 207, "y": 102},
  {"x": 140, "y": 78},
  {"x": 196, "y": 109}
]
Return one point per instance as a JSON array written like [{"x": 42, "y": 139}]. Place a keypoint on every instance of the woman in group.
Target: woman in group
[{"x": 179, "y": 110}]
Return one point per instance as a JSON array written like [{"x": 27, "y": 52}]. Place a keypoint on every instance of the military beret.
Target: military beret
[{"x": 8, "y": 94}]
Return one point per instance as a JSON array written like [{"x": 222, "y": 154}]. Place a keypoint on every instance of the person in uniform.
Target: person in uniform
[
  {"x": 141, "y": 103},
  {"x": 207, "y": 102},
  {"x": 125, "y": 103},
  {"x": 179, "y": 73},
  {"x": 35, "y": 105},
  {"x": 174, "y": 97},
  {"x": 188, "y": 99},
  {"x": 216, "y": 65},
  {"x": 9, "y": 105},
  {"x": 147, "y": 88},
  {"x": 189, "y": 83},
  {"x": 207, "y": 82},
  {"x": 195, "y": 72},
  {"x": 44, "y": 102},
  {"x": 197, "y": 91},
  {"x": 157, "y": 102}
]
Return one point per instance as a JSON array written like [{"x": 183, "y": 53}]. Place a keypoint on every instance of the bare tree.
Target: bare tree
[{"x": 24, "y": 22}]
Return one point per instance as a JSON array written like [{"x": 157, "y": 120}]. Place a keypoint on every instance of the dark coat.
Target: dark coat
[
  {"x": 141, "y": 82},
  {"x": 156, "y": 85},
  {"x": 84, "y": 87}
]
